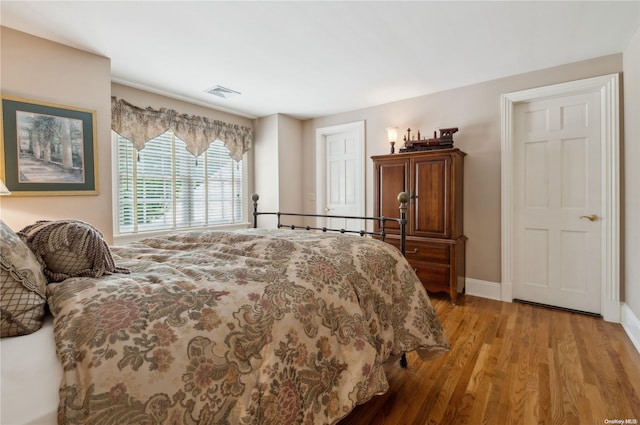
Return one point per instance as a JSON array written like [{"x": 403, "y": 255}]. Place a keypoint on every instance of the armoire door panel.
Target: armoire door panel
[
  {"x": 391, "y": 179},
  {"x": 431, "y": 191}
]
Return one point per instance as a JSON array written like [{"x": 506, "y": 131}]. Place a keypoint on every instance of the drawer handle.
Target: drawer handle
[{"x": 413, "y": 251}]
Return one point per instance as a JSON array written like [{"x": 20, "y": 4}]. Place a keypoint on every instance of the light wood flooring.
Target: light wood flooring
[{"x": 514, "y": 364}]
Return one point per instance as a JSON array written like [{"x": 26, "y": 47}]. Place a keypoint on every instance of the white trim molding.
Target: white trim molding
[
  {"x": 483, "y": 289},
  {"x": 631, "y": 325},
  {"x": 608, "y": 87}
]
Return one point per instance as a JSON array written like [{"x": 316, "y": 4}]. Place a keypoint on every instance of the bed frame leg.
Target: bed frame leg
[{"x": 403, "y": 361}]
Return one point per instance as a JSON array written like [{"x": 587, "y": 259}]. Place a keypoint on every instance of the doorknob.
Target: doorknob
[
  {"x": 591, "y": 217},
  {"x": 327, "y": 209}
]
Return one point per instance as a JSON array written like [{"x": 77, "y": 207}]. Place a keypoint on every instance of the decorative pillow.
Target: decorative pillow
[
  {"x": 22, "y": 286},
  {"x": 69, "y": 248}
]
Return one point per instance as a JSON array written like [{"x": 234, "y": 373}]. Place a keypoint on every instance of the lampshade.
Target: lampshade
[
  {"x": 392, "y": 134},
  {"x": 3, "y": 189}
]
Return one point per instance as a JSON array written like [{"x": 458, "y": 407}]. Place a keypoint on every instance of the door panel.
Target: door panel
[
  {"x": 536, "y": 170},
  {"x": 574, "y": 173},
  {"x": 537, "y": 253},
  {"x": 573, "y": 248},
  {"x": 557, "y": 157},
  {"x": 342, "y": 179}
]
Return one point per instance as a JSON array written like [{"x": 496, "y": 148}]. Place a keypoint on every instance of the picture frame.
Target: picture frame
[{"x": 48, "y": 149}]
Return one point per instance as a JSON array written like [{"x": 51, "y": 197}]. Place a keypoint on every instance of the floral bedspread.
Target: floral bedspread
[{"x": 246, "y": 327}]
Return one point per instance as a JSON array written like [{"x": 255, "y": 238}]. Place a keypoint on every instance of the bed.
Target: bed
[{"x": 256, "y": 326}]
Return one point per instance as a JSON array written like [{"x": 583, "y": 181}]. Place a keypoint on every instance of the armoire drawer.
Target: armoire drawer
[
  {"x": 424, "y": 251},
  {"x": 434, "y": 277}
]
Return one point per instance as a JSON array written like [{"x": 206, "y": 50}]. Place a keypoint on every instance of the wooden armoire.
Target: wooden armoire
[{"x": 435, "y": 243}]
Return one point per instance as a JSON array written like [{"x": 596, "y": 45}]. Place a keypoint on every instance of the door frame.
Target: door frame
[
  {"x": 608, "y": 87},
  {"x": 321, "y": 158}
]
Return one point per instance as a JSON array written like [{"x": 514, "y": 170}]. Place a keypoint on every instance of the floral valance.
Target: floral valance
[{"x": 141, "y": 125}]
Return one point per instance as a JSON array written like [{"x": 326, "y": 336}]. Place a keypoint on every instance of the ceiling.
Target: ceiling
[{"x": 314, "y": 58}]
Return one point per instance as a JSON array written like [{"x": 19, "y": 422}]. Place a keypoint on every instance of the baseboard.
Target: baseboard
[
  {"x": 483, "y": 289},
  {"x": 631, "y": 325}
]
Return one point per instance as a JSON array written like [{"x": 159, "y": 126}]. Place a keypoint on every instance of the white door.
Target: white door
[
  {"x": 557, "y": 170},
  {"x": 340, "y": 176}
]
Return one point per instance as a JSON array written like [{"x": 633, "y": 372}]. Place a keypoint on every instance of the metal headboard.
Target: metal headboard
[{"x": 403, "y": 199}]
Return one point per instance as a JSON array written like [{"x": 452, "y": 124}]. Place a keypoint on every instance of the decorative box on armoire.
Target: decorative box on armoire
[{"x": 435, "y": 243}]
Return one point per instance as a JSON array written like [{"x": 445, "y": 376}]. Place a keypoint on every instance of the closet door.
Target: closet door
[{"x": 431, "y": 188}]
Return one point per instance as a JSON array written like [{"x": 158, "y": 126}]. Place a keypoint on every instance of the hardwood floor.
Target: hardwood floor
[{"x": 513, "y": 364}]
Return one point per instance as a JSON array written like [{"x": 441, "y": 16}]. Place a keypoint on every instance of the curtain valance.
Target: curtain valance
[{"x": 141, "y": 125}]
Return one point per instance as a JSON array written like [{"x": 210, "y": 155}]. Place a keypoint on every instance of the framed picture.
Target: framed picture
[{"x": 48, "y": 149}]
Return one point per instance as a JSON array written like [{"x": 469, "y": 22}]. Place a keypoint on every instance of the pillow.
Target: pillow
[
  {"x": 69, "y": 248},
  {"x": 22, "y": 286}
]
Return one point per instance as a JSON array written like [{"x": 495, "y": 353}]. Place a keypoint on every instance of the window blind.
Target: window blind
[{"x": 165, "y": 187}]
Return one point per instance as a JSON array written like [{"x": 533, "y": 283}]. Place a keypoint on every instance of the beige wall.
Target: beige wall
[
  {"x": 267, "y": 179},
  {"x": 278, "y": 167},
  {"x": 631, "y": 159},
  {"x": 290, "y": 167},
  {"x": 37, "y": 69},
  {"x": 475, "y": 110},
  {"x": 34, "y": 68}
]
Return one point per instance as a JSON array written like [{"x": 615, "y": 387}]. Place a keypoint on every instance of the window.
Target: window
[{"x": 164, "y": 187}]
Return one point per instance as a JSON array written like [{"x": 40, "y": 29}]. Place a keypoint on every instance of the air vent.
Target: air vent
[{"x": 222, "y": 92}]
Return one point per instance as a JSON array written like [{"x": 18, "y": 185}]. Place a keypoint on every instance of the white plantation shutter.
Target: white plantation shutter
[
  {"x": 166, "y": 187},
  {"x": 190, "y": 188},
  {"x": 224, "y": 186},
  {"x": 125, "y": 183},
  {"x": 154, "y": 185}
]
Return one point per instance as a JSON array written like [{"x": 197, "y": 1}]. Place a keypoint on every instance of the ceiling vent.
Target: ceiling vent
[{"x": 222, "y": 92}]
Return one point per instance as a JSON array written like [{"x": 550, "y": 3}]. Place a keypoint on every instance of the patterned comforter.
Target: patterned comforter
[{"x": 244, "y": 327}]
